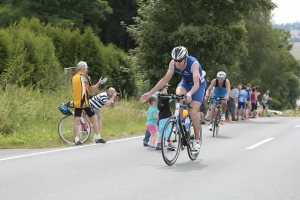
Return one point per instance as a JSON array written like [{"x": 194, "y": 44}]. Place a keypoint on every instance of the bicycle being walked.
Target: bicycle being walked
[
  {"x": 178, "y": 133},
  {"x": 192, "y": 84},
  {"x": 221, "y": 88}
]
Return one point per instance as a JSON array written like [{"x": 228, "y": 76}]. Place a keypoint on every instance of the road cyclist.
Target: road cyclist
[
  {"x": 221, "y": 89},
  {"x": 192, "y": 85}
]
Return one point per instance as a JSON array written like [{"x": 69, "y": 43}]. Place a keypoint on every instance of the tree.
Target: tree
[
  {"x": 213, "y": 31},
  {"x": 112, "y": 31},
  {"x": 268, "y": 62},
  {"x": 60, "y": 13}
]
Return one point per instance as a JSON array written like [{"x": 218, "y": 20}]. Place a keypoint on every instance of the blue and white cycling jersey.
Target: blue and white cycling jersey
[{"x": 187, "y": 79}]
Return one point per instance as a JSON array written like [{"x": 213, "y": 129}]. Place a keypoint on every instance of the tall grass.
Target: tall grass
[{"x": 30, "y": 118}]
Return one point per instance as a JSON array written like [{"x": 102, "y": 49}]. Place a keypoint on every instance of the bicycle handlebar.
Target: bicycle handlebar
[
  {"x": 173, "y": 96},
  {"x": 177, "y": 97},
  {"x": 68, "y": 104}
]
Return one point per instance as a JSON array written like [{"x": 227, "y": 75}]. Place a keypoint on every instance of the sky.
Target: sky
[{"x": 288, "y": 11}]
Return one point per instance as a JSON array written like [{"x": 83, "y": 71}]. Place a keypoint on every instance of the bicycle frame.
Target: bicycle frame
[{"x": 179, "y": 125}]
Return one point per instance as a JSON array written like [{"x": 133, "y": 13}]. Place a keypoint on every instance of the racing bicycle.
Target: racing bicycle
[
  {"x": 66, "y": 125},
  {"x": 175, "y": 133},
  {"x": 217, "y": 117}
]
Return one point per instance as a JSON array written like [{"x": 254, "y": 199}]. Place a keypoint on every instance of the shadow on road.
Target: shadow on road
[
  {"x": 221, "y": 137},
  {"x": 185, "y": 166}
]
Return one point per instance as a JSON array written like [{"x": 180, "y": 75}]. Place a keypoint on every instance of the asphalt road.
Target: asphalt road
[{"x": 254, "y": 159}]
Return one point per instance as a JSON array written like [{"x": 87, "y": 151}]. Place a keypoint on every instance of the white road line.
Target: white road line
[
  {"x": 260, "y": 143},
  {"x": 297, "y": 125},
  {"x": 65, "y": 149}
]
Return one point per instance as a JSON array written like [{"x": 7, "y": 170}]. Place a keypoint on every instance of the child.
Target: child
[
  {"x": 152, "y": 121},
  {"x": 164, "y": 115}
]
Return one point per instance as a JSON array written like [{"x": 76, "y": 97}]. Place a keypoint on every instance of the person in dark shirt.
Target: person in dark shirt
[{"x": 164, "y": 114}]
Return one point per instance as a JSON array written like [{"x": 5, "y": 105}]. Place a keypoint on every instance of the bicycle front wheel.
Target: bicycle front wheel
[
  {"x": 216, "y": 123},
  {"x": 192, "y": 154},
  {"x": 66, "y": 129},
  {"x": 171, "y": 142}
]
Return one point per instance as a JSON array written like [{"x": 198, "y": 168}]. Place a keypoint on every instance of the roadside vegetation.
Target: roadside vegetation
[{"x": 30, "y": 118}]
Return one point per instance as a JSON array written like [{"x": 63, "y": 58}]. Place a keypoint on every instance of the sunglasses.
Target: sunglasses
[{"x": 179, "y": 61}]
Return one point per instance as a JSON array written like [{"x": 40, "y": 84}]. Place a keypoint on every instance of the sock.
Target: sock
[
  {"x": 197, "y": 141},
  {"x": 97, "y": 136},
  {"x": 76, "y": 139}
]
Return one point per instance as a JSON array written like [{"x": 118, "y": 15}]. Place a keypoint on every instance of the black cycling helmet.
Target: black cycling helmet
[{"x": 179, "y": 53}]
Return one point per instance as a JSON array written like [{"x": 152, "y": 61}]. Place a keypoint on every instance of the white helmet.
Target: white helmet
[
  {"x": 221, "y": 74},
  {"x": 179, "y": 53}
]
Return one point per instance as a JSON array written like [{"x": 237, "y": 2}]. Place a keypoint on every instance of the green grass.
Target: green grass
[{"x": 30, "y": 118}]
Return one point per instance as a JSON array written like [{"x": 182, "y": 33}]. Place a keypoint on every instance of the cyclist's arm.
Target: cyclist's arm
[
  {"x": 196, "y": 75},
  {"x": 94, "y": 87},
  {"x": 208, "y": 91},
  {"x": 165, "y": 79},
  {"x": 228, "y": 88}
]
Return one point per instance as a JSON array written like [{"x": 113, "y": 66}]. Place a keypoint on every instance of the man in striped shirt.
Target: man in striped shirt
[{"x": 98, "y": 101}]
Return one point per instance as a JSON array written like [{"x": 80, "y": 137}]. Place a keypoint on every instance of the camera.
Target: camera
[{"x": 118, "y": 94}]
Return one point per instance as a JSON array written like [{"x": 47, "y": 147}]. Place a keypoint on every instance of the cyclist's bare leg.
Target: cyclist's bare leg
[
  {"x": 194, "y": 115},
  {"x": 76, "y": 123},
  {"x": 193, "y": 112},
  {"x": 180, "y": 91},
  {"x": 212, "y": 112},
  {"x": 224, "y": 106}
]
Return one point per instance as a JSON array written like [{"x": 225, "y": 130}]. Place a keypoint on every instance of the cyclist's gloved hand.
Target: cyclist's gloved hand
[{"x": 102, "y": 80}]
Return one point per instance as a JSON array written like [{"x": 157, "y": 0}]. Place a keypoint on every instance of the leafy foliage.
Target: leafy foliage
[
  {"x": 213, "y": 31},
  {"x": 269, "y": 63},
  {"x": 60, "y": 13}
]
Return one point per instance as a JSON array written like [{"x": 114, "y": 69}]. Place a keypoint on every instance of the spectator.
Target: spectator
[
  {"x": 81, "y": 91},
  {"x": 233, "y": 100},
  {"x": 248, "y": 103},
  {"x": 243, "y": 94},
  {"x": 98, "y": 101},
  {"x": 257, "y": 103},
  {"x": 164, "y": 115},
  {"x": 147, "y": 134},
  {"x": 264, "y": 102},
  {"x": 254, "y": 102},
  {"x": 152, "y": 121}
]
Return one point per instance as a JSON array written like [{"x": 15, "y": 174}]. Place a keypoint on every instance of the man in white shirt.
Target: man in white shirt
[
  {"x": 264, "y": 102},
  {"x": 233, "y": 99}
]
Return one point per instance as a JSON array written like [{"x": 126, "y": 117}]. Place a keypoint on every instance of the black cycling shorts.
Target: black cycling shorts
[{"x": 88, "y": 111}]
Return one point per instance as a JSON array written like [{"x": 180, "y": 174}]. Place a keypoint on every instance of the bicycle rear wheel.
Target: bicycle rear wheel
[
  {"x": 66, "y": 129},
  {"x": 171, "y": 142},
  {"x": 192, "y": 154}
]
